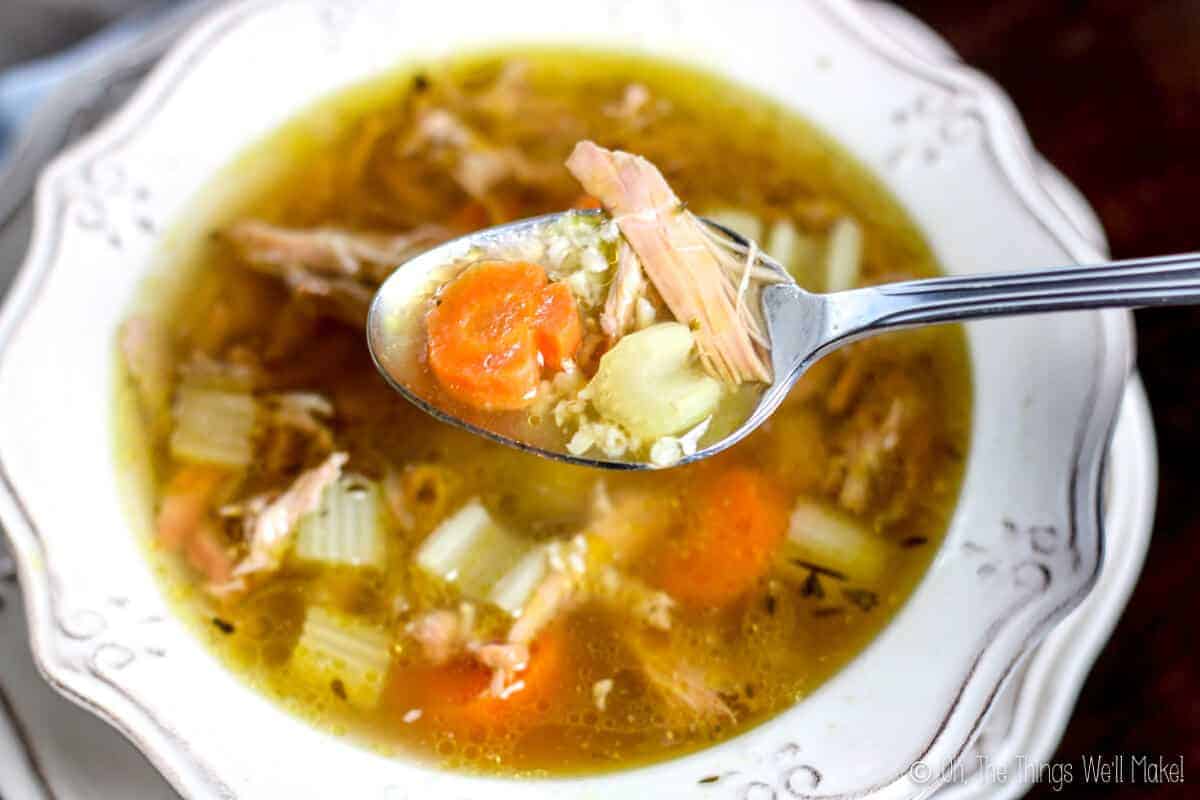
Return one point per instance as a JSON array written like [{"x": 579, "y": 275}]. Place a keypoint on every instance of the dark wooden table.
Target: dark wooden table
[{"x": 1110, "y": 90}]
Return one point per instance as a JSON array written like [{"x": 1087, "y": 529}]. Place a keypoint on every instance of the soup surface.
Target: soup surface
[{"x": 430, "y": 593}]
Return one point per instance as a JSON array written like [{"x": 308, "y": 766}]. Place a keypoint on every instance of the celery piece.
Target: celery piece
[
  {"x": 797, "y": 252},
  {"x": 348, "y": 528},
  {"x": 649, "y": 383},
  {"x": 515, "y": 587},
  {"x": 739, "y": 221},
  {"x": 471, "y": 551},
  {"x": 214, "y": 427},
  {"x": 827, "y": 537},
  {"x": 843, "y": 256},
  {"x": 334, "y": 649}
]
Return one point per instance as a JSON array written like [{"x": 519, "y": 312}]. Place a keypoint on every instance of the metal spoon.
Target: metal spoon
[{"x": 803, "y": 326}]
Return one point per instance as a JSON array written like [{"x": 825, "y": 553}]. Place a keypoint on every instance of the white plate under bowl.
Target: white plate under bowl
[{"x": 1024, "y": 546}]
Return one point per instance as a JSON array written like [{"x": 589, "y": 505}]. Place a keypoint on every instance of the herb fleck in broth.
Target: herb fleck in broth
[{"x": 659, "y": 654}]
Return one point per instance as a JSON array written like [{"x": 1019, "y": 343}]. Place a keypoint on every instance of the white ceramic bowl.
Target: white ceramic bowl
[{"x": 1025, "y": 541}]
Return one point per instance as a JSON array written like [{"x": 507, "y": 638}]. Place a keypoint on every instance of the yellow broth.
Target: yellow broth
[{"x": 337, "y": 164}]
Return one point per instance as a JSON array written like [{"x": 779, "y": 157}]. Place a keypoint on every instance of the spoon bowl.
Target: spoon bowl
[
  {"x": 394, "y": 336},
  {"x": 802, "y": 326}
]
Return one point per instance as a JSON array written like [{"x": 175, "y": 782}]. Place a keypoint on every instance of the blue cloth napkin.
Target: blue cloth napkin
[{"x": 22, "y": 87}]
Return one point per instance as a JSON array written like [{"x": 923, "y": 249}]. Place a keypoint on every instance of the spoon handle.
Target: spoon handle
[{"x": 1156, "y": 281}]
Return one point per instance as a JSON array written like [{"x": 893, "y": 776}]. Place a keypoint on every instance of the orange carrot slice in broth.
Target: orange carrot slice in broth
[
  {"x": 457, "y": 695},
  {"x": 730, "y": 538}
]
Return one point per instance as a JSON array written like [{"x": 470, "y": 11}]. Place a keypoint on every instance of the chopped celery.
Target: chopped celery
[
  {"x": 843, "y": 256},
  {"x": 214, "y": 427},
  {"x": 797, "y": 252},
  {"x": 337, "y": 649},
  {"x": 514, "y": 588},
  {"x": 743, "y": 222},
  {"x": 650, "y": 384},
  {"x": 444, "y": 548},
  {"x": 471, "y": 551},
  {"x": 204, "y": 372},
  {"x": 348, "y": 528},
  {"x": 828, "y": 538}
]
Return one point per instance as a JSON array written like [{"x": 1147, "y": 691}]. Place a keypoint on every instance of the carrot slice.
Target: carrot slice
[
  {"x": 185, "y": 502},
  {"x": 738, "y": 523},
  {"x": 541, "y": 680},
  {"x": 444, "y": 690},
  {"x": 481, "y": 335},
  {"x": 456, "y": 695},
  {"x": 559, "y": 331},
  {"x": 488, "y": 328}
]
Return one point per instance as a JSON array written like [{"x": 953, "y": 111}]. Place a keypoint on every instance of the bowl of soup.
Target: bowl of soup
[{"x": 275, "y": 575}]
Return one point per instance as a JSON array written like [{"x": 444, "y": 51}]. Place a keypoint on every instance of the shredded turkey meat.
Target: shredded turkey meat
[
  {"x": 554, "y": 596},
  {"x": 343, "y": 299},
  {"x": 480, "y": 166},
  {"x": 634, "y": 101},
  {"x": 619, "y": 316},
  {"x": 335, "y": 271},
  {"x": 271, "y": 523},
  {"x": 506, "y": 660},
  {"x": 680, "y": 683},
  {"x": 634, "y": 598},
  {"x": 443, "y": 634},
  {"x": 330, "y": 252},
  {"x": 304, "y": 412},
  {"x": 626, "y": 521},
  {"x": 683, "y": 261}
]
